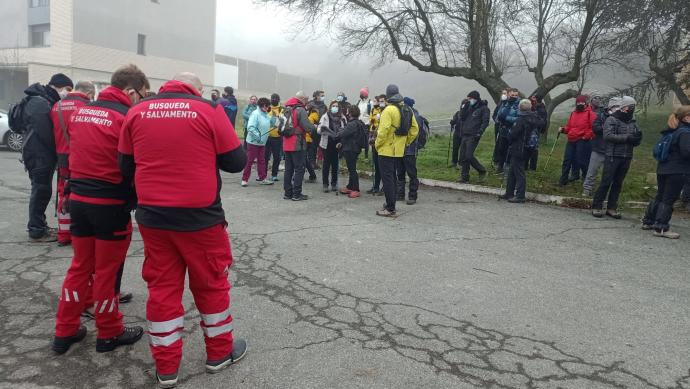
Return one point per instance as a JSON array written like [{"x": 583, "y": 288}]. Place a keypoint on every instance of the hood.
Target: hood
[
  {"x": 294, "y": 102},
  {"x": 115, "y": 95},
  {"x": 395, "y": 99},
  {"x": 179, "y": 87},
  {"x": 44, "y": 91}
]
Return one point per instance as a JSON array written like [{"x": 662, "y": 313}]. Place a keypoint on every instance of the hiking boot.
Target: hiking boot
[
  {"x": 372, "y": 191},
  {"x": 386, "y": 213},
  {"x": 274, "y": 178},
  {"x": 353, "y": 194},
  {"x": 598, "y": 213},
  {"x": 345, "y": 191},
  {"x": 166, "y": 381},
  {"x": 49, "y": 236},
  {"x": 257, "y": 179},
  {"x": 667, "y": 234},
  {"x": 239, "y": 350},
  {"x": 516, "y": 200},
  {"x": 266, "y": 182},
  {"x": 125, "y": 298},
  {"x": 411, "y": 202},
  {"x": 646, "y": 226},
  {"x": 130, "y": 335},
  {"x": 300, "y": 198},
  {"x": 244, "y": 184},
  {"x": 505, "y": 197},
  {"x": 62, "y": 343},
  {"x": 614, "y": 214},
  {"x": 325, "y": 189},
  {"x": 287, "y": 197},
  {"x": 464, "y": 180}
]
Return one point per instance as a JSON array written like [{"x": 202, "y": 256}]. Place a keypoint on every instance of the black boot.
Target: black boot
[
  {"x": 239, "y": 350},
  {"x": 62, "y": 344},
  {"x": 130, "y": 335}
]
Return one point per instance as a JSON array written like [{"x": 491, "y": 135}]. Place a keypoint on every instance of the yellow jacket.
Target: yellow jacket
[
  {"x": 314, "y": 118},
  {"x": 387, "y": 143},
  {"x": 373, "y": 118},
  {"x": 275, "y": 112}
]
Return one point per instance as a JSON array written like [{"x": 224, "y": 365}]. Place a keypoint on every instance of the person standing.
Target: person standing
[
  {"x": 532, "y": 156},
  {"x": 229, "y": 104},
  {"x": 364, "y": 105},
  {"x": 295, "y": 146},
  {"x": 672, "y": 174},
  {"x": 100, "y": 204},
  {"x": 350, "y": 142},
  {"x": 407, "y": 165},
  {"x": 330, "y": 126},
  {"x": 579, "y": 149},
  {"x": 621, "y": 136},
  {"x": 494, "y": 117},
  {"x": 596, "y": 160},
  {"x": 181, "y": 218},
  {"x": 374, "y": 121},
  {"x": 274, "y": 145},
  {"x": 246, "y": 113},
  {"x": 507, "y": 117},
  {"x": 473, "y": 122},
  {"x": 60, "y": 114},
  {"x": 527, "y": 120},
  {"x": 258, "y": 127},
  {"x": 397, "y": 130},
  {"x": 38, "y": 152},
  {"x": 317, "y": 104},
  {"x": 455, "y": 126}
]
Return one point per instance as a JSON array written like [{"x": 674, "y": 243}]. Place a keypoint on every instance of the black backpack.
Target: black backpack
[
  {"x": 362, "y": 135},
  {"x": 423, "y": 136},
  {"x": 406, "y": 116},
  {"x": 15, "y": 116}
]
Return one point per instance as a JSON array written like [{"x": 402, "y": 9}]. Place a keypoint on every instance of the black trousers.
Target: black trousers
[
  {"x": 377, "y": 169},
  {"x": 366, "y": 150},
  {"x": 41, "y": 191},
  {"x": 388, "y": 176},
  {"x": 686, "y": 190},
  {"x": 501, "y": 152},
  {"x": 351, "y": 161},
  {"x": 407, "y": 166},
  {"x": 660, "y": 210},
  {"x": 294, "y": 173},
  {"x": 457, "y": 141},
  {"x": 467, "y": 148},
  {"x": 615, "y": 170},
  {"x": 308, "y": 162},
  {"x": 330, "y": 164},
  {"x": 274, "y": 148},
  {"x": 531, "y": 159},
  {"x": 516, "y": 178},
  {"x": 495, "y": 155}
]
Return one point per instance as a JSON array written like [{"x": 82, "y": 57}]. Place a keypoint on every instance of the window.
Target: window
[
  {"x": 141, "y": 44},
  {"x": 39, "y": 35},
  {"x": 39, "y": 3}
]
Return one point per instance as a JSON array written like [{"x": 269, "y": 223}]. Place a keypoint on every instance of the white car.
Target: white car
[{"x": 8, "y": 137}]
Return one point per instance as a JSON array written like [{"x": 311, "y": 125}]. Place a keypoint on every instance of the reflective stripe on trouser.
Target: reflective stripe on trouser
[
  {"x": 206, "y": 256},
  {"x": 98, "y": 260},
  {"x": 64, "y": 220}
]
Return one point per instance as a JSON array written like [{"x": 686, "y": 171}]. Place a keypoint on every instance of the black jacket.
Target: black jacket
[
  {"x": 349, "y": 136},
  {"x": 621, "y": 137},
  {"x": 540, "y": 110},
  {"x": 39, "y": 141},
  {"x": 475, "y": 119},
  {"x": 598, "y": 144},
  {"x": 679, "y": 157},
  {"x": 517, "y": 137}
]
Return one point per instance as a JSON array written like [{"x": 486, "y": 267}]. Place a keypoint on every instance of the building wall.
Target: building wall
[{"x": 14, "y": 30}]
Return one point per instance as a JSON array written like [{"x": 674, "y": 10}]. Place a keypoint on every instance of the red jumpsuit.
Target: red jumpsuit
[
  {"x": 65, "y": 107},
  {"x": 173, "y": 145},
  {"x": 101, "y": 225}
]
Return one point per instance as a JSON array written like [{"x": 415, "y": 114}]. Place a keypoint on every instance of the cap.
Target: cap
[
  {"x": 392, "y": 90},
  {"x": 473, "y": 95},
  {"x": 60, "y": 80}
]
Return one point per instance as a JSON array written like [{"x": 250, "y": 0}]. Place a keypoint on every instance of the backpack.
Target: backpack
[
  {"x": 532, "y": 139},
  {"x": 662, "y": 149},
  {"x": 362, "y": 136},
  {"x": 15, "y": 116},
  {"x": 287, "y": 128},
  {"x": 423, "y": 136},
  {"x": 406, "y": 116}
]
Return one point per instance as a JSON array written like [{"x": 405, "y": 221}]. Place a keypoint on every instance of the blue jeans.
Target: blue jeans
[
  {"x": 575, "y": 160},
  {"x": 41, "y": 191}
]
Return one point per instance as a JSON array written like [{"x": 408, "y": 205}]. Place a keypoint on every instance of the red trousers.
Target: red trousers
[
  {"x": 255, "y": 152},
  {"x": 207, "y": 257},
  {"x": 63, "y": 235},
  {"x": 101, "y": 235}
]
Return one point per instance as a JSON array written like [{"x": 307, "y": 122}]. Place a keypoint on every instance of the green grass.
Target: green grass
[{"x": 432, "y": 162}]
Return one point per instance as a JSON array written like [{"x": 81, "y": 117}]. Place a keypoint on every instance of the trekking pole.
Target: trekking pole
[{"x": 546, "y": 165}]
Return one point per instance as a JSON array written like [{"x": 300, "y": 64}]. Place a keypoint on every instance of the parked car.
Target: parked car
[{"x": 8, "y": 137}]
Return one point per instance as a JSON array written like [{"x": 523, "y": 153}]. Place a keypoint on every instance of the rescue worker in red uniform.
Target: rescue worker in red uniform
[
  {"x": 100, "y": 203},
  {"x": 173, "y": 145},
  {"x": 60, "y": 114}
]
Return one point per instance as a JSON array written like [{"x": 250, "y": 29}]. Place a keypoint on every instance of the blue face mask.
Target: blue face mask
[
  {"x": 473, "y": 102},
  {"x": 340, "y": 98},
  {"x": 334, "y": 110}
]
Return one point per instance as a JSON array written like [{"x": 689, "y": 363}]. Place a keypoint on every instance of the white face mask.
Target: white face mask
[
  {"x": 504, "y": 97},
  {"x": 63, "y": 93},
  {"x": 382, "y": 105}
]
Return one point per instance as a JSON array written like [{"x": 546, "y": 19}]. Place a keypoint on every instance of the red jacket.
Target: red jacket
[
  {"x": 302, "y": 125},
  {"x": 580, "y": 125},
  {"x": 173, "y": 145},
  {"x": 68, "y": 106},
  {"x": 94, "y": 136}
]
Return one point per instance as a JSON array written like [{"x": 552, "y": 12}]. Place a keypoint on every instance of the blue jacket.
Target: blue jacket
[
  {"x": 414, "y": 146},
  {"x": 258, "y": 127},
  {"x": 507, "y": 116},
  {"x": 229, "y": 104},
  {"x": 248, "y": 110}
]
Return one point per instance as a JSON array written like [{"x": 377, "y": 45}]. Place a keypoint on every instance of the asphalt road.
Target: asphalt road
[{"x": 460, "y": 291}]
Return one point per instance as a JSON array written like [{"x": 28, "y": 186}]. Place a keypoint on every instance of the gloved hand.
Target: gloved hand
[{"x": 636, "y": 137}]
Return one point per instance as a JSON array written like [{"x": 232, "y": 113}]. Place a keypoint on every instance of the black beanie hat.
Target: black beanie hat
[
  {"x": 60, "y": 81},
  {"x": 473, "y": 95}
]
